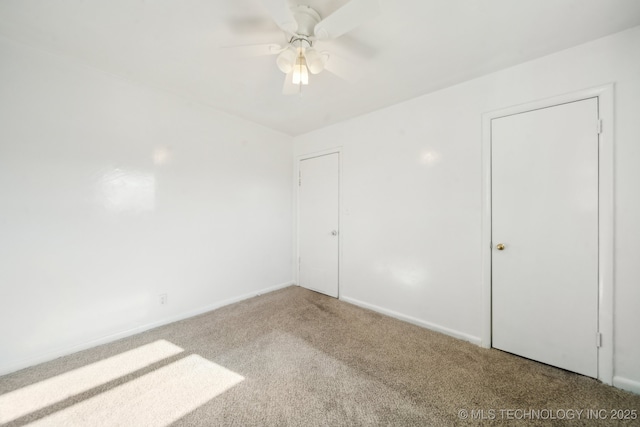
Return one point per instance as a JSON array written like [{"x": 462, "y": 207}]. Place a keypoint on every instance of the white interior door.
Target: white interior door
[
  {"x": 318, "y": 225},
  {"x": 545, "y": 212}
]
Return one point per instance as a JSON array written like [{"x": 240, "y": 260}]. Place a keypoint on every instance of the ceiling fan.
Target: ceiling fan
[{"x": 304, "y": 27}]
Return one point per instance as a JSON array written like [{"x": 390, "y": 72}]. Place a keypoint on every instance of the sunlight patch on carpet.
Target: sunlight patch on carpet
[
  {"x": 45, "y": 393},
  {"x": 158, "y": 398}
]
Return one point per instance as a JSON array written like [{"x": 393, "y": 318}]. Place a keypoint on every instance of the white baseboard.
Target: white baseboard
[
  {"x": 413, "y": 320},
  {"x": 626, "y": 384},
  {"x": 13, "y": 366}
]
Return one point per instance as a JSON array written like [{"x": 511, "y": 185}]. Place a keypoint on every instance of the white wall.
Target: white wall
[
  {"x": 411, "y": 213},
  {"x": 92, "y": 230}
]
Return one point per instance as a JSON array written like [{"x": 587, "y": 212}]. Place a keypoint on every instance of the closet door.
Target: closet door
[
  {"x": 545, "y": 235},
  {"x": 318, "y": 226}
]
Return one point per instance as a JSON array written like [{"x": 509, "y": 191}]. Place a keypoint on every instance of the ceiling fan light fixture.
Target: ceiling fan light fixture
[
  {"x": 287, "y": 60},
  {"x": 315, "y": 60},
  {"x": 300, "y": 73},
  {"x": 303, "y": 26}
]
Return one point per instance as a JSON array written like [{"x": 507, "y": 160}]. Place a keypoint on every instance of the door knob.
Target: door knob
[
  {"x": 334, "y": 233},
  {"x": 500, "y": 247}
]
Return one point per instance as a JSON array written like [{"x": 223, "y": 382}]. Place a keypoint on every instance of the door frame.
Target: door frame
[
  {"x": 296, "y": 176},
  {"x": 605, "y": 95}
]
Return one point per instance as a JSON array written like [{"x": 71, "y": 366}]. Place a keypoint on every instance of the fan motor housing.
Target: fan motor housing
[{"x": 307, "y": 19}]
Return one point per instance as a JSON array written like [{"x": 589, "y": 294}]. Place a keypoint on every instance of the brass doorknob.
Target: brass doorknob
[{"x": 500, "y": 246}]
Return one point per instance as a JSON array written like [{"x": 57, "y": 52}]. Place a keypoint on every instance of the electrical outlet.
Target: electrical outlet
[{"x": 163, "y": 299}]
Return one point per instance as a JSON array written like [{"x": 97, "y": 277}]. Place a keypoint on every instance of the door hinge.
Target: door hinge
[
  {"x": 299, "y": 179},
  {"x": 599, "y": 126},
  {"x": 598, "y": 340}
]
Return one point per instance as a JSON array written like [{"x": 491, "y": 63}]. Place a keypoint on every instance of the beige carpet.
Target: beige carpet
[{"x": 295, "y": 357}]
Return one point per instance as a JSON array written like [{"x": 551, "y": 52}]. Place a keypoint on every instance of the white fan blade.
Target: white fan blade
[
  {"x": 347, "y": 18},
  {"x": 288, "y": 88},
  {"x": 281, "y": 14},
  {"x": 253, "y": 50}
]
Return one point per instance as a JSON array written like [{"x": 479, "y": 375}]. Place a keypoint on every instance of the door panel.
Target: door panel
[
  {"x": 545, "y": 212},
  {"x": 318, "y": 227}
]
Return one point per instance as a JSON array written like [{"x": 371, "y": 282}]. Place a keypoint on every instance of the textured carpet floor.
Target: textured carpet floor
[{"x": 295, "y": 357}]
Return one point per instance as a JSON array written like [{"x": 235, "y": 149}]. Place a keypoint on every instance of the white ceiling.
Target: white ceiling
[{"x": 413, "y": 47}]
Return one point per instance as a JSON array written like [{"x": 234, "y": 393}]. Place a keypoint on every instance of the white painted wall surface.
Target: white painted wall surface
[
  {"x": 112, "y": 193},
  {"x": 411, "y": 213}
]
